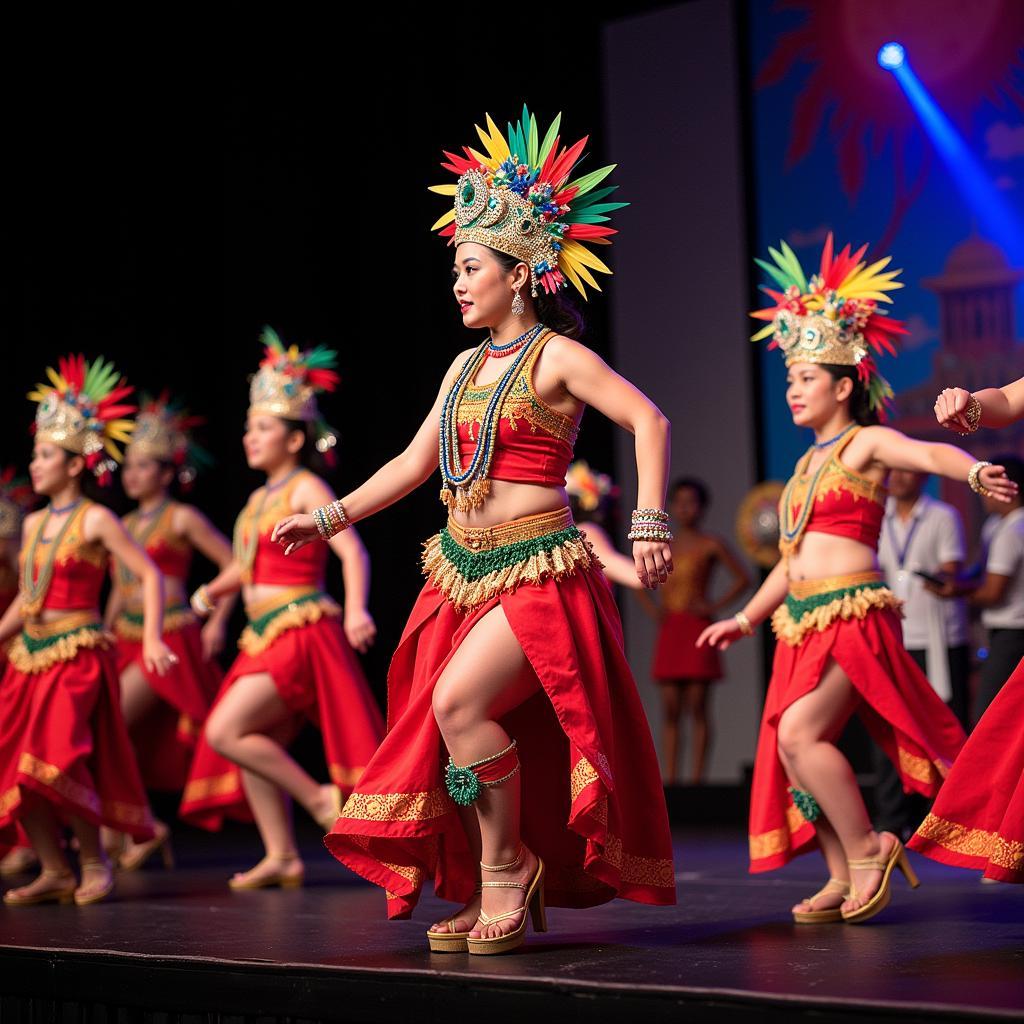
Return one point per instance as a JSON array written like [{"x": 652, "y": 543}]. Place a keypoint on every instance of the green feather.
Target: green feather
[
  {"x": 271, "y": 340},
  {"x": 321, "y": 358},
  {"x": 531, "y": 145},
  {"x": 588, "y": 181},
  {"x": 794, "y": 265},
  {"x": 549, "y": 140},
  {"x": 592, "y": 197},
  {"x": 775, "y": 273}
]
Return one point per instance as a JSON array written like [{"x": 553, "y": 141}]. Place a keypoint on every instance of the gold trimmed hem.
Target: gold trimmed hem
[
  {"x": 212, "y": 786},
  {"x": 66, "y": 648},
  {"x": 175, "y": 620},
  {"x": 778, "y": 840},
  {"x": 973, "y": 842}
]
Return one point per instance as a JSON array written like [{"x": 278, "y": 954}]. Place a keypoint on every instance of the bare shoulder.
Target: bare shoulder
[
  {"x": 310, "y": 491},
  {"x": 186, "y": 517},
  {"x": 97, "y": 519}
]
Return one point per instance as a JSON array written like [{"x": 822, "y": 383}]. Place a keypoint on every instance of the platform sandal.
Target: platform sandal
[
  {"x": 449, "y": 941},
  {"x": 533, "y": 908},
  {"x": 55, "y": 894},
  {"x": 897, "y": 859},
  {"x": 276, "y": 878}
]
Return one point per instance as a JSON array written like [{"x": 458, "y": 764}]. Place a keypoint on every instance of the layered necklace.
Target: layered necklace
[
  {"x": 33, "y": 587},
  {"x": 152, "y": 519},
  {"x": 790, "y": 531},
  {"x": 466, "y": 489},
  {"x": 245, "y": 544}
]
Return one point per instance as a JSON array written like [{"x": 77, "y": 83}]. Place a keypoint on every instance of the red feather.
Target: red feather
[
  {"x": 564, "y": 164},
  {"x": 590, "y": 231}
]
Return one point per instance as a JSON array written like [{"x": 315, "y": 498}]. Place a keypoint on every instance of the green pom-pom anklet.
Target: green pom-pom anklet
[{"x": 805, "y": 804}]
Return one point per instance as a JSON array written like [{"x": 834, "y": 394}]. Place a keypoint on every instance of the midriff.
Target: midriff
[
  {"x": 821, "y": 555},
  {"x": 508, "y": 501}
]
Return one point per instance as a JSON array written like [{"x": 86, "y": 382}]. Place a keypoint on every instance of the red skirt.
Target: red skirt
[
  {"x": 906, "y": 718},
  {"x": 978, "y": 819},
  {"x": 63, "y": 739},
  {"x": 676, "y": 654},
  {"x": 592, "y": 802},
  {"x": 165, "y": 742},
  {"x": 317, "y": 675}
]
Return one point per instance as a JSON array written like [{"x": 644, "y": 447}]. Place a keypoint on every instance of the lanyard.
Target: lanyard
[{"x": 901, "y": 553}]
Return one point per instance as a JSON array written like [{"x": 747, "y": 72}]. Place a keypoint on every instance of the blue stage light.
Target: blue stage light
[{"x": 891, "y": 56}]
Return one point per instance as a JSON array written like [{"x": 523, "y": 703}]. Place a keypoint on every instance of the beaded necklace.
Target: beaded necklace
[
  {"x": 33, "y": 587},
  {"x": 500, "y": 351},
  {"x": 468, "y": 488},
  {"x": 125, "y": 576},
  {"x": 790, "y": 532},
  {"x": 245, "y": 545}
]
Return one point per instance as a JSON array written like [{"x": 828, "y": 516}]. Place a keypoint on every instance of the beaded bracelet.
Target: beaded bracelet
[
  {"x": 974, "y": 481},
  {"x": 650, "y": 513},
  {"x": 200, "y": 601},
  {"x": 330, "y": 519},
  {"x": 650, "y": 531},
  {"x": 746, "y": 627}
]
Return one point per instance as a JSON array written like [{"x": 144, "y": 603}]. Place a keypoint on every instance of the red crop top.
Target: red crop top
[
  {"x": 534, "y": 443},
  {"x": 171, "y": 554},
  {"x": 843, "y": 503},
  {"x": 265, "y": 562},
  {"x": 78, "y": 568}
]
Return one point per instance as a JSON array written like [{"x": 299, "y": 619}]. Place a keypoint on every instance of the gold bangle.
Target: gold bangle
[
  {"x": 974, "y": 479},
  {"x": 744, "y": 623},
  {"x": 973, "y": 416},
  {"x": 200, "y": 601}
]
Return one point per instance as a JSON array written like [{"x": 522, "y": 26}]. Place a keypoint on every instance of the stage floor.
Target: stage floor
[{"x": 952, "y": 948}]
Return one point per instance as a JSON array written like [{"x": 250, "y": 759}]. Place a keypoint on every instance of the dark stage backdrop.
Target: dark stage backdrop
[{"x": 180, "y": 184}]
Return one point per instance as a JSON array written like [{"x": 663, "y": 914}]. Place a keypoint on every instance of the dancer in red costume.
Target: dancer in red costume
[
  {"x": 840, "y": 649},
  {"x": 296, "y": 660},
  {"x": 512, "y": 658},
  {"x": 978, "y": 819},
  {"x": 65, "y": 755},
  {"x": 165, "y": 714}
]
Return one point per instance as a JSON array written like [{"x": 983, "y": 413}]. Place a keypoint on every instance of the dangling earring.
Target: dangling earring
[{"x": 518, "y": 306}]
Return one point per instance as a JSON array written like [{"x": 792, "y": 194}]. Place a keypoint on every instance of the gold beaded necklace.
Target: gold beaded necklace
[
  {"x": 35, "y": 587},
  {"x": 247, "y": 532}
]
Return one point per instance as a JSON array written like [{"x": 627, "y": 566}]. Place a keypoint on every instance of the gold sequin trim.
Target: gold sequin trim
[
  {"x": 397, "y": 806},
  {"x": 803, "y": 589},
  {"x": 212, "y": 786},
  {"x": 175, "y": 620},
  {"x": 849, "y": 606},
  {"x": 487, "y": 538},
  {"x": 637, "y": 870},
  {"x": 920, "y": 768},
  {"x": 346, "y": 777},
  {"x": 768, "y": 844},
  {"x": 974, "y": 842},
  {"x": 583, "y": 774},
  {"x": 294, "y": 616}
]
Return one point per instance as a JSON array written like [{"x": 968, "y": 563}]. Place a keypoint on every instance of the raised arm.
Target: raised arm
[
  {"x": 589, "y": 379},
  {"x": 998, "y": 407},
  {"x": 897, "y": 451},
  {"x": 392, "y": 482},
  {"x": 102, "y": 525}
]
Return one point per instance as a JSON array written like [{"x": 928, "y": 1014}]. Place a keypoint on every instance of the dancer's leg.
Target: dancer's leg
[
  {"x": 808, "y": 730},
  {"x": 695, "y": 700},
  {"x": 241, "y": 729},
  {"x": 485, "y": 679},
  {"x": 43, "y": 830},
  {"x": 671, "y": 710}
]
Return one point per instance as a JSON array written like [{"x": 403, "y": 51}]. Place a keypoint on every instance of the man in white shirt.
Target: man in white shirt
[{"x": 922, "y": 535}]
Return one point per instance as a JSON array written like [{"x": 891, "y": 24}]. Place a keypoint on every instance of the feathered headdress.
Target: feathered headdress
[
  {"x": 81, "y": 409},
  {"x": 520, "y": 198},
  {"x": 163, "y": 431},
  {"x": 288, "y": 381},
  {"x": 832, "y": 318},
  {"x": 16, "y": 501},
  {"x": 587, "y": 487}
]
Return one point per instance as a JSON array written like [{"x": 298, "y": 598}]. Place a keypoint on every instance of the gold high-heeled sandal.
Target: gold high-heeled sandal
[
  {"x": 100, "y": 894},
  {"x": 279, "y": 878},
  {"x": 897, "y": 859},
  {"x": 450, "y": 941},
  {"x": 55, "y": 894},
  {"x": 837, "y": 886},
  {"x": 134, "y": 857},
  {"x": 532, "y": 908}
]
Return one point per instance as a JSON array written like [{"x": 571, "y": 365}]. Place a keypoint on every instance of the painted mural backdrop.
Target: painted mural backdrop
[{"x": 926, "y": 164}]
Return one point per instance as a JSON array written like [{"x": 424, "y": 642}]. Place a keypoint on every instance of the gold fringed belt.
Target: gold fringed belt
[
  {"x": 811, "y": 606},
  {"x": 470, "y": 565},
  {"x": 41, "y": 645},
  {"x": 289, "y": 609},
  {"x": 128, "y": 625}
]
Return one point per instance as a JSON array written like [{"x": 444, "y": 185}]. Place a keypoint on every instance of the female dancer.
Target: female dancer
[
  {"x": 512, "y": 656},
  {"x": 164, "y": 714},
  {"x": 591, "y": 497},
  {"x": 683, "y": 669},
  {"x": 978, "y": 819},
  {"x": 295, "y": 660},
  {"x": 840, "y": 647},
  {"x": 65, "y": 755}
]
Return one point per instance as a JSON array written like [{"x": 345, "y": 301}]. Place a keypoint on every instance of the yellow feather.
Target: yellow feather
[
  {"x": 443, "y": 190},
  {"x": 56, "y": 379},
  {"x": 40, "y": 393},
  {"x": 765, "y": 332},
  {"x": 111, "y": 449},
  {"x": 583, "y": 255},
  {"x": 447, "y": 218},
  {"x": 485, "y": 160},
  {"x": 568, "y": 259},
  {"x": 495, "y": 142},
  {"x": 566, "y": 267}
]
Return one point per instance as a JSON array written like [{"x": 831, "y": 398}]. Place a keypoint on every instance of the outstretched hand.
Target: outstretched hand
[
  {"x": 720, "y": 634},
  {"x": 294, "y": 531},
  {"x": 997, "y": 483}
]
